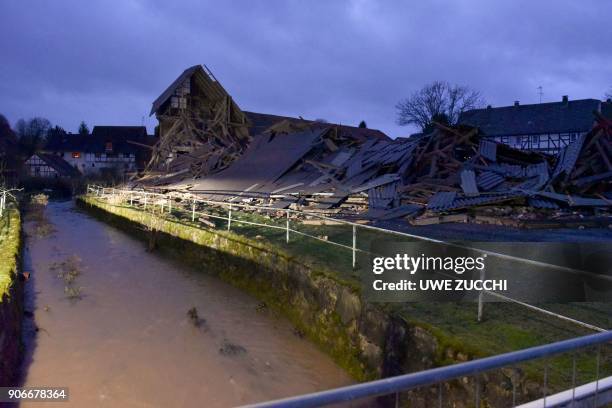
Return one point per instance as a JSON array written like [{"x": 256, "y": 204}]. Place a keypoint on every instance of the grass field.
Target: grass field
[{"x": 9, "y": 248}]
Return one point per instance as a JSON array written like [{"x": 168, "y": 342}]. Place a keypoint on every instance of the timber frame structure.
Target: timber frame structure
[{"x": 199, "y": 125}]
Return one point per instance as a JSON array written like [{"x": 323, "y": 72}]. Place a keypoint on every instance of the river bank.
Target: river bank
[
  {"x": 370, "y": 341},
  {"x": 138, "y": 329},
  {"x": 11, "y": 296}
]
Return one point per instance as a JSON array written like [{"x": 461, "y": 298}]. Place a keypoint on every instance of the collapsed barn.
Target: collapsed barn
[{"x": 210, "y": 148}]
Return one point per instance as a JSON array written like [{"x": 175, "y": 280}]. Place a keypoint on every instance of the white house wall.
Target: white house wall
[
  {"x": 91, "y": 163},
  {"x": 38, "y": 168}
]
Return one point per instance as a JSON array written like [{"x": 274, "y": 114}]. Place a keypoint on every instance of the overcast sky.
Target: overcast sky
[{"x": 106, "y": 61}]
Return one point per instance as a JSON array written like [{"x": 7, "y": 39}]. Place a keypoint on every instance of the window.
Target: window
[
  {"x": 109, "y": 147},
  {"x": 76, "y": 155}
]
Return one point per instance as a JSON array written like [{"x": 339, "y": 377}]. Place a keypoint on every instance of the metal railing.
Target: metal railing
[
  {"x": 7, "y": 198},
  {"x": 193, "y": 208},
  {"x": 599, "y": 392},
  {"x": 164, "y": 202}
]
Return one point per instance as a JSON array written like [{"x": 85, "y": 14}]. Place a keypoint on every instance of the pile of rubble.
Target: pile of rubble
[
  {"x": 210, "y": 148},
  {"x": 201, "y": 129}
]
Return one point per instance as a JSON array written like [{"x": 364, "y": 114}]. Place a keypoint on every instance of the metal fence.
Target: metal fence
[
  {"x": 287, "y": 221},
  {"x": 7, "y": 198},
  {"x": 594, "y": 394}
]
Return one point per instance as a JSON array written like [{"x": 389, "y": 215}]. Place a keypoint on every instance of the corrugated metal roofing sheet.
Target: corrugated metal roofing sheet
[
  {"x": 382, "y": 196},
  {"x": 575, "y": 201},
  {"x": 482, "y": 199},
  {"x": 441, "y": 200},
  {"x": 445, "y": 203},
  {"x": 468, "y": 183},
  {"x": 542, "y": 203},
  {"x": 488, "y": 149},
  {"x": 540, "y": 169},
  {"x": 379, "y": 181},
  {"x": 488, "y": 180},
  {"x": 568, "y": 156}
]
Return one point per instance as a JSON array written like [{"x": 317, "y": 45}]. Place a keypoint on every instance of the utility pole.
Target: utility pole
[{"x": 540, "y": 92}]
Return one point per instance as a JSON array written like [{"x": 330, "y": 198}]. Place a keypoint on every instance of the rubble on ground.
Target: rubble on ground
[{"x": 210, "y": 148}]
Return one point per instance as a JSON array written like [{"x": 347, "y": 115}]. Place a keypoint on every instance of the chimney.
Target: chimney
[
  {"x": 565, "y": 99},
  {"x": 516, "y": 103}
]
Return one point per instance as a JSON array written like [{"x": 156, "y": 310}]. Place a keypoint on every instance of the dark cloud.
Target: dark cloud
[{"x": 104, "y": 62}]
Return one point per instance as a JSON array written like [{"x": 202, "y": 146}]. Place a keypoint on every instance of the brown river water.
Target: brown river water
[{"x": 128, "y": 341}]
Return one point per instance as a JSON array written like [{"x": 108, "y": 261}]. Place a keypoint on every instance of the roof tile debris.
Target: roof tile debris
[{"x": 288, "y": 162}]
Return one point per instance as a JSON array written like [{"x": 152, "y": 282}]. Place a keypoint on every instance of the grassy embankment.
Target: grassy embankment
[
  {"x": 9, "y": 249},
  {"x": 506, "y": 327}
]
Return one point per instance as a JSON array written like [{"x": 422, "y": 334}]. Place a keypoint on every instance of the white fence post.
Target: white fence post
[
  {"x": 193, "y": 211},
  {"x": 287, "y": 225},
  {"x": 145, "y": 201},
  {"x": 229, "y": 218},
  {"x": 2, "y": 203},
  {"x": 481, "y": 296},
  {"x": 354, "y": 245}
]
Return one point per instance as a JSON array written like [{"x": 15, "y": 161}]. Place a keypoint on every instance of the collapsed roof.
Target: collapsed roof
[
  {"x": 202, "y": 130},
  {"x": 198, "y": 119},
  {"x": 216, "y": 151}
]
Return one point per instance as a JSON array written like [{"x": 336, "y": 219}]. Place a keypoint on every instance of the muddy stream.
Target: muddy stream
[{"x": 110, "y": 322}]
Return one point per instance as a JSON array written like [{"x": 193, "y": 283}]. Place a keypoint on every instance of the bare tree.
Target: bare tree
[
  {"x": 32, "y": 134},
  {"x": 437, "y": 101}
]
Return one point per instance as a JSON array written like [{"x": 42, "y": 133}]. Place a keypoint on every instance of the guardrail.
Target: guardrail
[
  {"x": 6, "y": 198},
  {"x": 600, "y": 392},
  {"x": 193, "y": 208},
  {"x": 167, "y": 203}
]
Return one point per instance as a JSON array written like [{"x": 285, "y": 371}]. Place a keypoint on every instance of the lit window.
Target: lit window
[
  {"x": 76, "y": 155},
  {"x": 109, "y": 147}
]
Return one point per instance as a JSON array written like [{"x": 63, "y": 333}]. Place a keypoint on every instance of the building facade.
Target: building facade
[
  {"x": 49, "y": 166},
  {"x": 117, "y": 149},
  {"x": 546, "y": 127}
]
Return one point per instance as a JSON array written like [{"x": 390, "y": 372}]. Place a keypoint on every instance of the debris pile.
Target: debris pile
[
  {"x": 209, "y": 148},
  {"x": 201, "y": 129}
]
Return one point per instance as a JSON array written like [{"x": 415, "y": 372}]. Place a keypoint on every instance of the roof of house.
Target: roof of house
[
  {"x": 553, "y": 117},
  {"x": 259, "y": 121},
  {"x": 61, "y": 166},
  {"x": 262, "y": 121},
  {"x": 172, "y": 87},
  {"x": 96, "y": 142}
]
